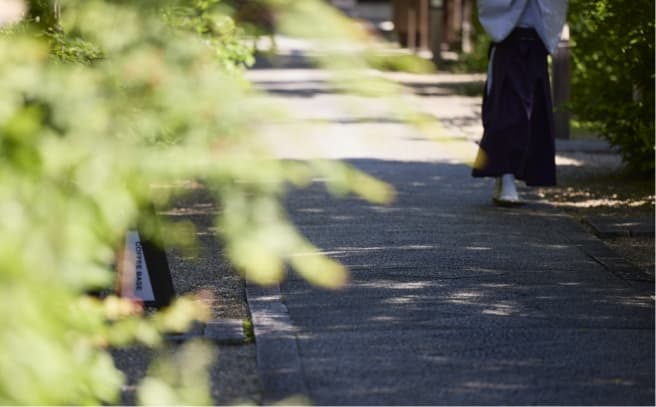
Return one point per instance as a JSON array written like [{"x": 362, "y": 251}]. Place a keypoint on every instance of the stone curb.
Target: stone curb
[
  {"x": 278, "y": 361},
  {"x": 594, "y": 247},
  {"x": 605, "y": 227},
  {"x": 614, "y": 263},
  {"x": 222, "y": 331}
]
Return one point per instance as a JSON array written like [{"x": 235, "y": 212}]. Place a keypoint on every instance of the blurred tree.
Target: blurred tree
[
  {"x": 43, "y": 13},
  {"x": 257, "y": 15},
  {"x": 124, "y": 96}
]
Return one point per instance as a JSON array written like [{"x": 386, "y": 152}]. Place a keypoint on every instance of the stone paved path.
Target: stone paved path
[{"x": 452, "y": 300}]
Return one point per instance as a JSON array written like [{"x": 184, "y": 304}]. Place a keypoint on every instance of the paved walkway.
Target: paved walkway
[{"x": 452, "y": 300}]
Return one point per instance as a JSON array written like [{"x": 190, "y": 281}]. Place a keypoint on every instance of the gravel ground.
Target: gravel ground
[{"x": 233, "y": 374}]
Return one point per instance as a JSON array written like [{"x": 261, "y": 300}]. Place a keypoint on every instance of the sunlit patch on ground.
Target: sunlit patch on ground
[
  {"x": 562, "y": 160},
  {"x": 597, "y": 181},
  {"x": 583, "y": 199}
]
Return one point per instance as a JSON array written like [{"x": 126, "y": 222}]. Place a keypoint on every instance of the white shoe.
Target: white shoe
[{"x": 506, "y": 192}]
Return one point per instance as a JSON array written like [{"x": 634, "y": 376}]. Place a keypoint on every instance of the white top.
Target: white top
[
  {"x": 531, "y": 16},
  {"x": 547, "y": 17}
]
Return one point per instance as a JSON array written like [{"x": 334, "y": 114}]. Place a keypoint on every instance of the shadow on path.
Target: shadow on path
[{"x": 454, "y": 301}]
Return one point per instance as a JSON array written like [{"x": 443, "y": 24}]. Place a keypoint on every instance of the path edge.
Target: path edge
[{"x": 278, "y": 358}]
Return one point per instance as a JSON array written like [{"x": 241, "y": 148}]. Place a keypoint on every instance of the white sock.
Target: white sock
[{"x": 508, "y": 189}]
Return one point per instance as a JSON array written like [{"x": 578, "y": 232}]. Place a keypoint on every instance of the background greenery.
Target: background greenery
[
  {"x": 103, "y": 112},
  {"x": 613, "y": 74}
]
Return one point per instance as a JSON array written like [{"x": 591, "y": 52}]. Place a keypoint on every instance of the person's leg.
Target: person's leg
[
  {"x": 505, "y": 123},
  {"x": 541, "y": 163},
  {"x": 507, "y": 110}
]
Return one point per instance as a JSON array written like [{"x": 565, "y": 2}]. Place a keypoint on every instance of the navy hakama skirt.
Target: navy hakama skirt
[{"x": 518, "y": 122}]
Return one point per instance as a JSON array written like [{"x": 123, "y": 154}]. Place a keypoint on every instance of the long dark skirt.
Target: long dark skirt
[{"x": 518, "y": 122}]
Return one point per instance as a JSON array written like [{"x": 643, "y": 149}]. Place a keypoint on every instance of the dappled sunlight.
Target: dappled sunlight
[
  {"x": 617, "y": 381},
  {"x": 191, "y": 210},
  {"x": 311, "y": 210},
  {"x": 385, "y": 209},
  {"x": 477, "y": 248},
  {"x": 383, "y": 318},
  {"x": 396, "y": 285},
  {"x": 641, "y": 301},
  {"x": 562, "y": 160},
  {"x": 584, "y": 162},
  {"x": 323, "y": 122},
  {"x": 478, "y": 385},
  {"x": 595, "y": 181},
  {"x": 343, "y": 217},
  {"x": 463, "y": 297},
  {"x": 272, "y": 324},
  {"x": 572, "y": 198},
  {"x": 408, "y": 299},
  {"x": 550, "y": 246},
  {"x": 355, "y": 250},
  {"x": 496, "y": 285}
]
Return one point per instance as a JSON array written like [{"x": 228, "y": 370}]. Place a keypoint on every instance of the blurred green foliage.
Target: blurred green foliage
[
  {"x": 394, "y": 62},
  {"x": 99, "y": 109},
  {"x": 613, "y": 74},
  {"x": 179, "y": 378}
]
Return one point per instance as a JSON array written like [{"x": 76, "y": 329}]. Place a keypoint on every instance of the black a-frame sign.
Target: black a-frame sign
[{"x": 144, "y": 273}]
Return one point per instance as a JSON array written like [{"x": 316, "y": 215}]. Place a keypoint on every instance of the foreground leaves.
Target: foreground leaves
[{"x": 100, "y": 117}]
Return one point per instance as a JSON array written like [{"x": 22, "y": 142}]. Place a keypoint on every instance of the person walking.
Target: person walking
[{"x": 518, "y": 140}]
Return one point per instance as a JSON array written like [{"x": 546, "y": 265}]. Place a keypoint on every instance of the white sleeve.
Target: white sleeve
[
  {"x": 553, "y": 13},
  {"x": 499, "y": 17}
]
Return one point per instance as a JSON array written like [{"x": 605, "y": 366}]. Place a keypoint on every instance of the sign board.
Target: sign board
[
  {"x": 144, "y": 273},
  {"x": 135, "y": 280}
]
